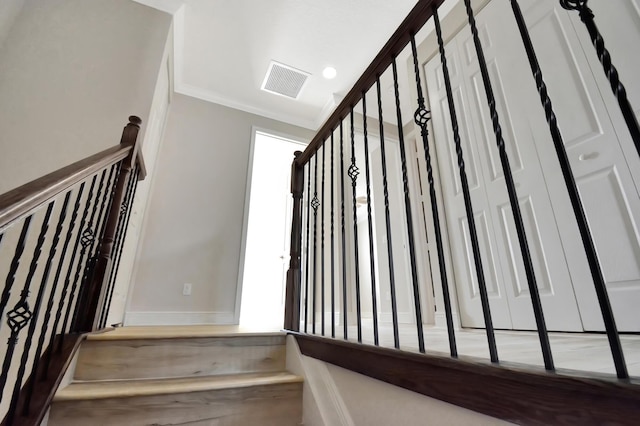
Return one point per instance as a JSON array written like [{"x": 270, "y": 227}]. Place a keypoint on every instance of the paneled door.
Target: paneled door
[{"x": 598, "y": 160}]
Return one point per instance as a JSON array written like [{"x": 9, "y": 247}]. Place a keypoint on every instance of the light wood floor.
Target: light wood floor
[{"x": 574, "y": 351}]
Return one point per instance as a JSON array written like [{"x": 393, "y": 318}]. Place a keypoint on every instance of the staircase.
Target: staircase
[{"x": 202, "y": 375}]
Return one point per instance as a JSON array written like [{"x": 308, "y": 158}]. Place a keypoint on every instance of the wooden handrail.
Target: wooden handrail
[
  {"x": 418, "y": 16},
  {"x": 18, "y": 202}
]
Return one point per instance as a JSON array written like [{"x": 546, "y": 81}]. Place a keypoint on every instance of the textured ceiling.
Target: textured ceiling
[{"x": 223, "y": 49}]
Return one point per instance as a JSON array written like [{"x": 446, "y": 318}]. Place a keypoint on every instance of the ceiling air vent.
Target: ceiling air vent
[{"x": 284, "y": 80}]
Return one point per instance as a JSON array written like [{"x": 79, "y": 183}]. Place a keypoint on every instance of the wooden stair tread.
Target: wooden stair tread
[
  {"x": 181, "y": 332},
  {"x": 77, "y": 391}
]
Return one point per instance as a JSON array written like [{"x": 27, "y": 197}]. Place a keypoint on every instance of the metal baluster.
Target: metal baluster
[
  {"x": 353, "y": 172},
  {"x": 36, "y": 312},
  {"x": 121, "y": 231},
  {"x": 344, "y": 241},
  {"x": 587, "y": 17},
  {"x": 574, "y": 196},
  {"x": 513, "y": 200},
  {"x": 105, "y": 205},
  {"x": 315, "y": 203},
  {"x": 56, "y": 279},
  {"x": 15, "y": 263},
  {"x": 387, "y": 216},
  {"x": 407, "y": 207},
  {"x": 306, "y": 269},
  {"x": 84, "y": 242},
  {"x": 19, "y": 316},
  {"x": 333, "y": 273},
  {"x": 65, "y": 287},
  {"x": 467, "y": 200},
  {"x": 322, "y": 245},
  {"x": 372, "y": 264}
]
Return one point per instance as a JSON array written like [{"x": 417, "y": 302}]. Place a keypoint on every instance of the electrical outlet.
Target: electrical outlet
[{"x": 186, "y": 289}]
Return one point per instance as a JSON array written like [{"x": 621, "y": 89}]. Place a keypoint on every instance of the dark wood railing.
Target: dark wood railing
[
  {"x": 83, "y": 247},
  {"x": 325, "y": 265}
]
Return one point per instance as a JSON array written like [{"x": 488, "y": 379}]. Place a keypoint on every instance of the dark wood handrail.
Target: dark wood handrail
[
  {"x": 18, "y": 202},
  {"x": 418, "y": 16}
]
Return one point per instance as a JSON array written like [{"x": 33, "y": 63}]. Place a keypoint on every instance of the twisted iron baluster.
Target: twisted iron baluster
[
  {"x": 315, "y": 203},
  {"x": 56, "y": 280},
  {"x": 372, "y": 263},
  {"x": 122, "y": 217},
  {"x": 306, "y": 269},
  {"x": 587, "y": 17},
  {"x": 513, "y": 197},
  {"x": 98, "y": 231},
  {"x": 15, "y": 264},
  {"x": 574, "y": 196},
  {"x": 322, "y": 270},
  {"x": 353, "y": 173},
  {"x": 421, "y": 118},
  {"x": 387, "y": 216},
  {"x": 125, "y": 210},
  {"x": 407, "y": 208},
  {"x": 333, "y": 273},
  {"x": 36, "y": 311},
  {"x": 82, "y": 240},
  {"x": 65, "y": 287},
  {"x": 344, "y": 241},
  {"x": 21, "y": 314}
]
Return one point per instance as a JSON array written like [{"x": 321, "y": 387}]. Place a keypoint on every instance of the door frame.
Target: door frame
[{"x": 247, "y": 200}]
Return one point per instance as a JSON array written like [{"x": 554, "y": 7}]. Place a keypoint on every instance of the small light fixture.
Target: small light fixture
[{"x": 329, "y": 73}]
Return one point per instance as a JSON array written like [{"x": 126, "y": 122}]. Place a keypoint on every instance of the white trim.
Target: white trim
[
  {"x": 178, "y": 47},
  {"x": 328, "y": 109},
  {"x": 441, "y": 321},
  {"x": 247, "y": 199},
  {"x": 177, "y": 318},
  {"x": 208, "y": 95},
  {"x": 403, "y": 318},
  {"x": 324, "y": 395}
]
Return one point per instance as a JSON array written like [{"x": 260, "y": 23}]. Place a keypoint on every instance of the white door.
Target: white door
[
  {"x": 268, "y": 231},
  {"x": 604, "y": 160},
  {"x": 597, "y": 159}
]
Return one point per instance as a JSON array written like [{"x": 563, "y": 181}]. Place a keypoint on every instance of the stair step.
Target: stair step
[
  {"x": 234, "y": 400},
  {"x": 163, "y": 352},
  {"x": 181, "y": 331},
  {"x": 84, "y": 390}
]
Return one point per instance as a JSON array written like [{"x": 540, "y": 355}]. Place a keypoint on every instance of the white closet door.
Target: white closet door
[
  {"x": 603, "y": 158},
  {"x": 463, "y": 262},
  {"x": 515, "y": 94}
]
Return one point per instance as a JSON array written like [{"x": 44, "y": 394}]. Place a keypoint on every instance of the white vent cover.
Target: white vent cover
[{"x": 284, "y": 80}]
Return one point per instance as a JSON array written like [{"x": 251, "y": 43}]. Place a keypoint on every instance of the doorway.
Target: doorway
[{"x": 267, "y": 230}]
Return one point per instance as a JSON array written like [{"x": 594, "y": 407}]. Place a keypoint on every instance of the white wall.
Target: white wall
[
  {"x": 151, "y": 145},
  {"x": 71, "y": 72},
  {"x": 194, "y": 222}
]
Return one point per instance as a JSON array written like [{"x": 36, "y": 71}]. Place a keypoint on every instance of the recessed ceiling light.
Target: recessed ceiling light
[{"x": 329, "y": 73}]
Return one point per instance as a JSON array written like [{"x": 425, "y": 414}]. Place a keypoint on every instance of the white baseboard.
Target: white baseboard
[
  {"x": 441, "y": 320},
  {"x": 403, "y": 318},
  {"x": 178, "y": 318}
]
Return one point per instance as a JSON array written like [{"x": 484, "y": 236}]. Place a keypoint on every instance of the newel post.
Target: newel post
[
  {"x": 292, "y": 300},
  {"x": 93, "y": 292}
]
